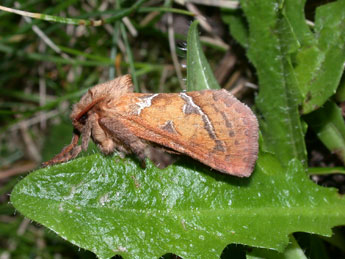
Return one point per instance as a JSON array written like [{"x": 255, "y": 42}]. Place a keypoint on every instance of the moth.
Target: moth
[{"x": 211, "y": 126}]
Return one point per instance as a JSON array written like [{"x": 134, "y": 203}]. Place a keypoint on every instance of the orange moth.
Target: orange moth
[{"x": 211, "y": 126}]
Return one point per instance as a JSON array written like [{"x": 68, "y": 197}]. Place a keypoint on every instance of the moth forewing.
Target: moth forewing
[{"x": 211, "y": 126}]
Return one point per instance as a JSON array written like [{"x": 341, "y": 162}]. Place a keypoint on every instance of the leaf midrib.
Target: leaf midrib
[{"x": 324, "y": 210}]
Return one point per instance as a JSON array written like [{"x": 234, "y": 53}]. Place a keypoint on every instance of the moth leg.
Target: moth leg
[
  {"x": 101, "y": 138},
  {"x": 86, "y": 133},
  {"x": 63, "y": 156},
  {"x": 127, "y": 139},
  {"x": 107, "y": 144},
  {"x": 74, "y": 152}
]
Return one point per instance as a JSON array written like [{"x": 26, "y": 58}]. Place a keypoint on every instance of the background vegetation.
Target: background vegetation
[{"x": 284, "y": 58}]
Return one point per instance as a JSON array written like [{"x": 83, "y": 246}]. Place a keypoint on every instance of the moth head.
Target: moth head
[{"x": 110, "y": 90}]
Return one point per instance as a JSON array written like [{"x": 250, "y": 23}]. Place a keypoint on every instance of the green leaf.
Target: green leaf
[
  {"x": 237, "y": 25},
  {"x": 294, "y": 11},
  {"x": 292, "y": 251},
  {"x": 340, "y": 95},
  {"x": 328, "y": 124},
  {"x": 199, "y": 72},
  {"x": 111, "y": 206},
  {"x": 326, "y": 58},
  {"x": 271, "y": 43},
  {"x": 325, "y": 170}
]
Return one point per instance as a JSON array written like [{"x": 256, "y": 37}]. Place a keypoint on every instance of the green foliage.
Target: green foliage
[
  {"x": 269, "y": 48},
  {"x": 112, "y": 206},
  {"x": 316, "y": 56},
  {"x": 299, "y": 69},
  {"x": 328, "y": 124},
  {"x": 199, "y": 73},
  {"x": 329, "y": 56}
]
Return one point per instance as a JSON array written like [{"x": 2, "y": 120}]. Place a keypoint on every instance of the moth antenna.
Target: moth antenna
[
  {"x": 88, "y": 107},
  {"x": 63, "y": 155}
]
